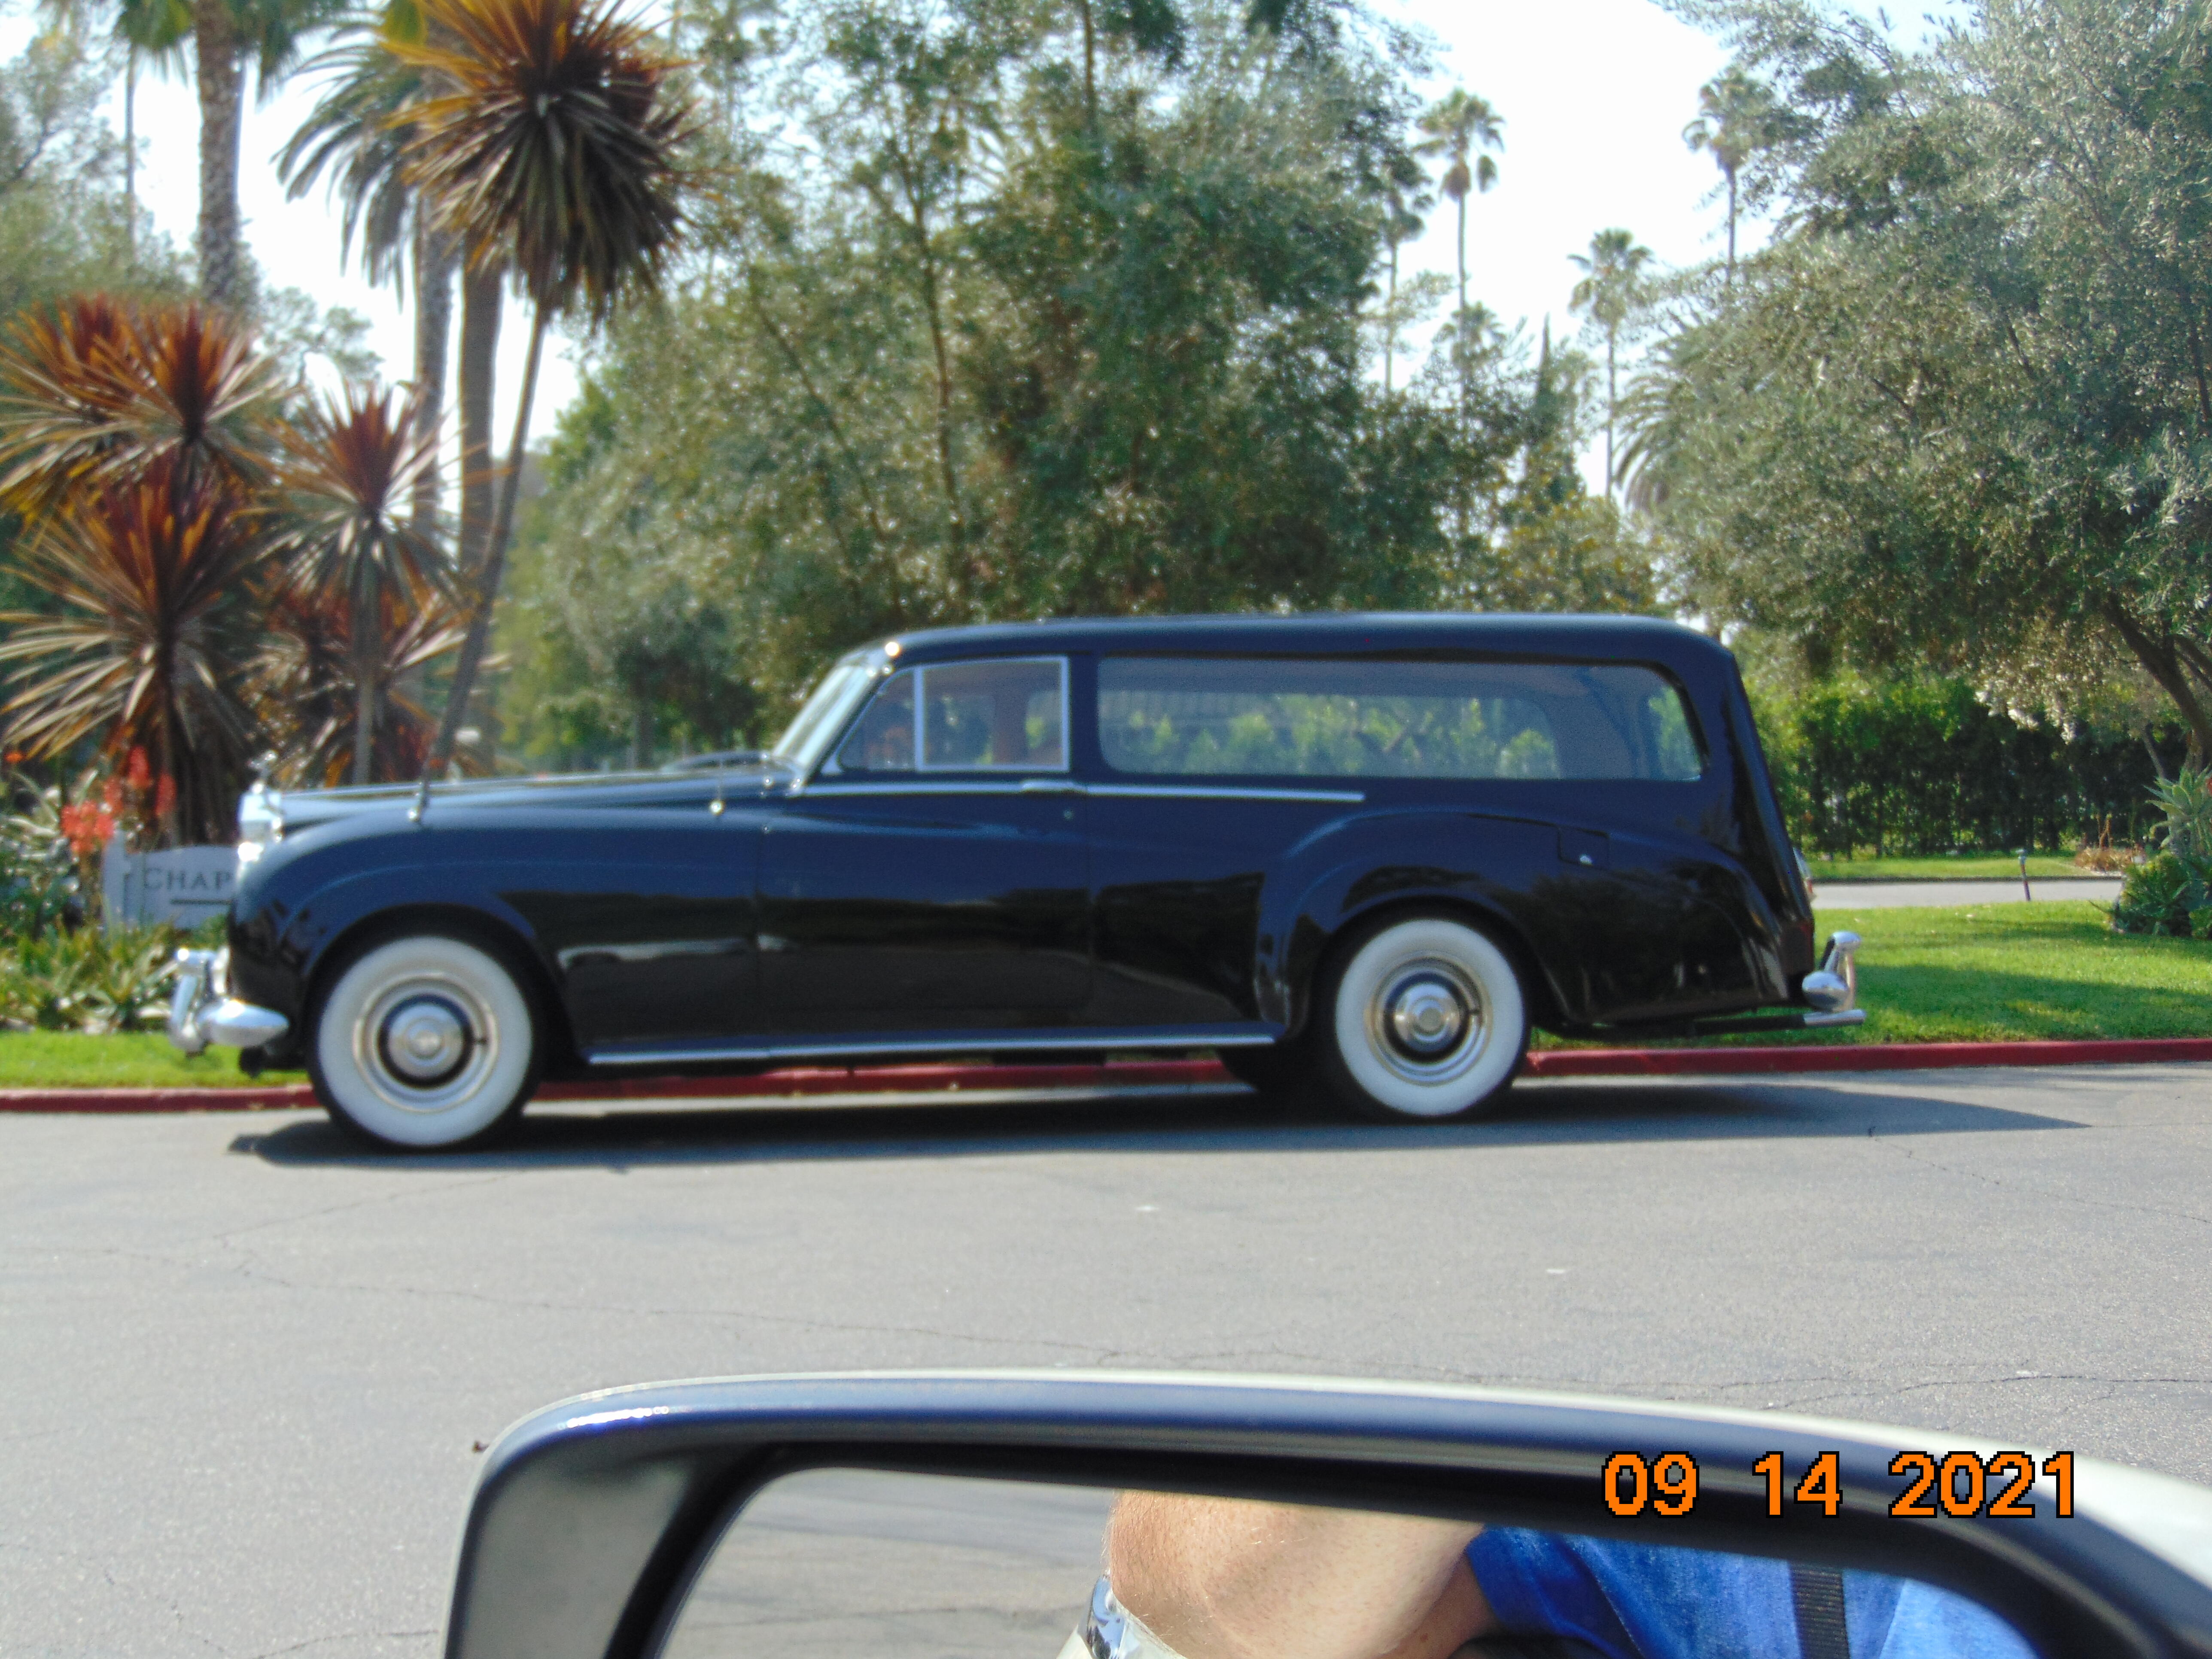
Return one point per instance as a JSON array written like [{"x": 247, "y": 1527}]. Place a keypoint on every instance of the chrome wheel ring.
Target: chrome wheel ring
[
  {"x": 425, "y": 1042},
  {"x": 1427, "y": 1020}
]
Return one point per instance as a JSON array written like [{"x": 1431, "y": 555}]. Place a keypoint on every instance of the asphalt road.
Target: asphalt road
[
  {"x": 246, "y": 1367},
  {"x": 1898, "y": 895}
]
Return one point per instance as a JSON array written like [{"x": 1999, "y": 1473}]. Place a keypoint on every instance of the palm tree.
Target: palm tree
[
  {"x": 1461, "y": 126},
  {"x": 554, "y": 155},
  {"x": 225, "y": 33},
  {"x": 1610, "y": 290},
  {"x": 156, "y": 30},
  {"x": 1736, "y": 119},
  {"x": 359, "y": 131},
  {"x": 1403, "y": 204},
  {"x": 351, "y": 466}
]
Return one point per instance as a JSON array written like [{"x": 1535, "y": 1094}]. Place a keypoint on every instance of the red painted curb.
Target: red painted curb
[
  {"x": 1859, "y": 1057},
  {"x": 953, "y": 1079}
]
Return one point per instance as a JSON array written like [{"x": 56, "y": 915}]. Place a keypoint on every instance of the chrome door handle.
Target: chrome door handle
[{"x": 1051, "y": 786}]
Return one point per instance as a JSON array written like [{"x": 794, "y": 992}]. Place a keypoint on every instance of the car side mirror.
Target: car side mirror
[{"x": 1036, "y": 1514}]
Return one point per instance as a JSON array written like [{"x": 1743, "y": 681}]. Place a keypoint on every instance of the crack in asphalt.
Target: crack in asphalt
[
  {"x": 343, "y": 1636},
  {"x": 1892, "y": 1145}
]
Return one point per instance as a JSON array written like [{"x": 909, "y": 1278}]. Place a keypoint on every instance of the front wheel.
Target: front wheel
[
  {"x": 423, "y": 1041},
  {"x": 1424, "y": 1019}
]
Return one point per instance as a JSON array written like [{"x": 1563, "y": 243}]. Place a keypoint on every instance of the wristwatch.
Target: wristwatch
[{"x": 1110, "y": 1631}]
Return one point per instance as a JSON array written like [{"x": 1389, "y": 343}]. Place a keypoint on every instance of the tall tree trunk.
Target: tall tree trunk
[
  {"x": 130, "y": 154},
  {"x": 1390, "y": 319},
  {"x": 1731, "y": 257},
  {"x": 435, "y": 261},
  {"x": 481, "y": 295},
  {"x": 215, "y": 45},
  {"x": 1462, "y": 255},
  {"x": 495, "y": 557},
  {"x": 367, "y": 624},
  {"x": 1612, "y": 397},
  {"x": 1089, "y": 65}
]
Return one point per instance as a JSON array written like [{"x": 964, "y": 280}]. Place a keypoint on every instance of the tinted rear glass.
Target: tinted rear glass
[{"x": 1245, "y": 717}]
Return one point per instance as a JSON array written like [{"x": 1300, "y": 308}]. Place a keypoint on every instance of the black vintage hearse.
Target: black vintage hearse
[{"x": 1368, "y": 853}]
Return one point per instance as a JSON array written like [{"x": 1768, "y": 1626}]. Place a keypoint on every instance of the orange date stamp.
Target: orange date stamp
[{"x": 1953, "y": 1483}]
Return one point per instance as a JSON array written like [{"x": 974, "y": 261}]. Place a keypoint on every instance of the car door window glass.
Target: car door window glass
[
  {"x": 882, "y": 739},
  {"x": 994, "y": 716},
  {"x": 1354, "y": 718}
]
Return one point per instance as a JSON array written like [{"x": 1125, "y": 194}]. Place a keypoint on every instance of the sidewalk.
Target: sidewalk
[{"x": 1897, "y": 895}]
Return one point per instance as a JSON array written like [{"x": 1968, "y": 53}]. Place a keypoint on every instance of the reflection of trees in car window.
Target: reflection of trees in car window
[{"x": 1328, "y": 718}]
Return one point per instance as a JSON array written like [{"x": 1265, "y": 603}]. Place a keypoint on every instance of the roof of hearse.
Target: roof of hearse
[{"x": 1349, "y": 633}]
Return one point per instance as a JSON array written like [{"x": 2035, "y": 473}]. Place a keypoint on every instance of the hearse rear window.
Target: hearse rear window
[{"x": 1245, "y": 717}]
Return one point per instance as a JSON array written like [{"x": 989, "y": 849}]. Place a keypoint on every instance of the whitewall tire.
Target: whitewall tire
[
  {"x": 425, "y": 1041},
  {"x": 1424, "y": 1019}
]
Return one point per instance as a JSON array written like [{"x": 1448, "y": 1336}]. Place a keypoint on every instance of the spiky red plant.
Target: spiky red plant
[
  {"x": 345, "y": 530},
  {"x": 156, "y": 577},
  {"x": 94, "y": 391}
]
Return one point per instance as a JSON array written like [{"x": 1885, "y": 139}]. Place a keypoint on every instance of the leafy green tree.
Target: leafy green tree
[
  {"x": 1461, "y": 128},
  {"x": 1609, "y": 294},
  {"x": 1959, "y": 413}
]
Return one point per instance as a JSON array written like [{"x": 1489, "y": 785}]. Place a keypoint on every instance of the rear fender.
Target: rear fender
[{"x": 1355, "y": 868}]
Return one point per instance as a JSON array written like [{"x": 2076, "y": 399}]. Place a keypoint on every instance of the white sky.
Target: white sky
[{"x": 1594, "y": 94}]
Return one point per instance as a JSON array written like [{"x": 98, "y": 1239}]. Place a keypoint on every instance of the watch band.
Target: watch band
[{"x": 1110, "y": 1631}]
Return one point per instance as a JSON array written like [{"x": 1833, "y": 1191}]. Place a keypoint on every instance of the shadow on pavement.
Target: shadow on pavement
[{"x": 1556, "y": 1113}]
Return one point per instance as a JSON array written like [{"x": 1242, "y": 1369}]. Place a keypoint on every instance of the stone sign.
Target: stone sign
[{"x": 186, "y": 884}]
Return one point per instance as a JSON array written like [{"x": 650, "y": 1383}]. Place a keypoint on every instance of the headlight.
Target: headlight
[{"x": 260, "y": 821}]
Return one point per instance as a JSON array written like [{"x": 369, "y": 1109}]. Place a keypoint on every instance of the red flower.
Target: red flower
[
  {"x": 137, "y": 770},
  {"x": 166, "y": 797}
]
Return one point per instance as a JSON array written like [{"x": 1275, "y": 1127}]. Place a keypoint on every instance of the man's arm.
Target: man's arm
[{"x": 1225, "y": 1578}]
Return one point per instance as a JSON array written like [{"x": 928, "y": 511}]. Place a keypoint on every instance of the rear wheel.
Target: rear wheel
[
  {"x": 1424, "y": 1019},
  {"x": 425, "y": 1041}
]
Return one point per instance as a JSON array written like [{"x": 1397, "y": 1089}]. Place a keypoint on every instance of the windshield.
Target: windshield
[{"x": 823, "y": 714}]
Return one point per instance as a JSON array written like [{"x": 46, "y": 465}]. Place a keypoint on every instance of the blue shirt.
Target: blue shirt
[{"x": 1659, "y": 1601}]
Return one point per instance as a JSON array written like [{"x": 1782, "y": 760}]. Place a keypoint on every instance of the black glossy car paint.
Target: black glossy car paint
[{"x": 730, "y": 918}]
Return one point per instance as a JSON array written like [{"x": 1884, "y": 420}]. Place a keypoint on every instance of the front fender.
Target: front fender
[{"x": 279, "y": 945}]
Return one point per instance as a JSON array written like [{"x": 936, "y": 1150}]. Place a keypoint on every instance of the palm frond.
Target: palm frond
[{"x": 557, "y": 148}]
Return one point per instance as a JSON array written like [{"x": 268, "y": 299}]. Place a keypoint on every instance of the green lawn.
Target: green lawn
[
  {"x": 2005, "y": 972},
  {"x": 66, "y": 1059},
  {"x": 1966, "y": 866}
]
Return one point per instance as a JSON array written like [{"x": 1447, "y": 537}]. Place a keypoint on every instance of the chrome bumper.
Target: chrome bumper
[
  {"x": 1832, "y": 990},
  {"x": 202, "y": 976}
]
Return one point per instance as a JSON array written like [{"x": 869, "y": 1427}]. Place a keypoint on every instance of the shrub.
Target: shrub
[{"x": 88, "y": 981}]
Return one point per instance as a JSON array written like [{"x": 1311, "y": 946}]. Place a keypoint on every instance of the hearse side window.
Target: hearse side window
[
  {"x": 1190, "y": 716},
  {"x": 1006, "y": 715}
]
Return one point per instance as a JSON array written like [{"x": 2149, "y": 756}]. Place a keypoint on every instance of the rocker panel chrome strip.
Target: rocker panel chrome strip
[{"x": 1229, "y": 1036}]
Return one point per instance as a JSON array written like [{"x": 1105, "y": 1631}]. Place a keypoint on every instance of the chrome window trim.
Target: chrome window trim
[
  {"x": 1055, "y": 783},
  {"x": 1224, "y": 792},
  {"x": 922, "y": 671},
  {"x": 1085, "y": 1037}
]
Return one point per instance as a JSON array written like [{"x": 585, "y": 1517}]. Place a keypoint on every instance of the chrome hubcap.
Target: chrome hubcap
[
  {"x": 1426, "y": 1017},
  {"x": 1425, "y": 1020},
  {"x": 425, "y": 1042},
  {"x": 424, "y": 1039}
]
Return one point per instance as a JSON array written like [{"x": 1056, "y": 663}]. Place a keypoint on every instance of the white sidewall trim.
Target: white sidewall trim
[
  {"x": 1462, "y": 1077},
  {"x": 425, "y": 987}
]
